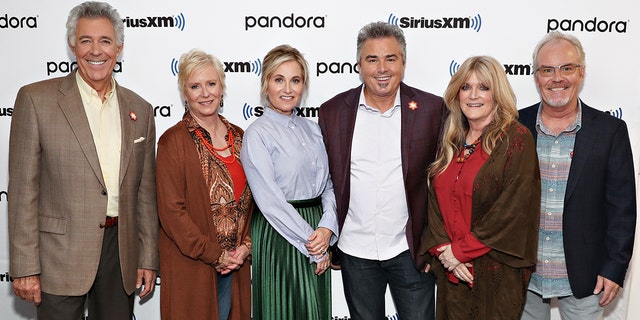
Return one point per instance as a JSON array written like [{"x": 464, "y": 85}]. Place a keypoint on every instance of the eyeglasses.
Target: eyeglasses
[{"x": 565, "y": 69}]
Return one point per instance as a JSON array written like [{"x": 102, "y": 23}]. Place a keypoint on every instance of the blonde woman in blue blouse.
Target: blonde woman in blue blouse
[{"x": 285, "y": 162}]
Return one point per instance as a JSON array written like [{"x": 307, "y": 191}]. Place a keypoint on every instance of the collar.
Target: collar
[
  {"x": 86, "y": 89},
  {"x": 282, "y": 119},
  {"x": 362, "y": 104},
  {"x": 573, "y": 127}
]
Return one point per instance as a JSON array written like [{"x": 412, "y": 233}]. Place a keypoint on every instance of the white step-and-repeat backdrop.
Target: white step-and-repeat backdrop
[{"x": 440, "y": 36}]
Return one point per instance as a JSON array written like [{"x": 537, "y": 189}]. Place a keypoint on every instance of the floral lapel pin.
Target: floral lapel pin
[
  {"x": 413, "y": 105},
  {"x": 133, "y": 116}
]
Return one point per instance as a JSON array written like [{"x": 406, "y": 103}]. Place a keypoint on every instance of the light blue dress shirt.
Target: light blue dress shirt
[{"x": 284, "y": 158}]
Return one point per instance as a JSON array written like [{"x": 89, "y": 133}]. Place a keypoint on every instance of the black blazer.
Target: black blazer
[
  {"x": 420, "y": 134},
  {"x": 599, "y": 217}
]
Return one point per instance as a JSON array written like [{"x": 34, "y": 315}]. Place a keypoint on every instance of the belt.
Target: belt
[
  {"x": 307, "y": 203},
  {"x": 109, "y": 222}
]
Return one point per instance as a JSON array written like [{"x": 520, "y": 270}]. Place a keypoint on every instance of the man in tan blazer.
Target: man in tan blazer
[{"x": 82, "y": 200}]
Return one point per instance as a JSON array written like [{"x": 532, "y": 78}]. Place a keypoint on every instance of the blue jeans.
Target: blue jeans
[
  {"x": 224, "y": 295},
  {"x": 365, "y": 283}
]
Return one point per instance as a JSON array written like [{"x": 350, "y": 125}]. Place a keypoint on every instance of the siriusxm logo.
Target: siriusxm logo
[
  {"x": 6, "y": 277},
  {"x": 254, "y": 66},
  {"x": 156, "y": 22},
  {"x": 518, "y": 69},
  {"x": 474, "y": 23},
  {"x": 68, "y": 66},
  {"x": 242, "y": 67},
  {"x": 248, "y": 111},
  {"x": 336, "y": 67},
  {"x": 509, "y": 69},
  {"x": 307, "y": 112},
  {"x": 593, "y": 25},
  {"x": 18, "y": 22},
  {"x": 615, "y": 112},
  {"x": 453, "y": 67},
  {"x": 174, "y": 66},
  {"x": 290, "y": 21}
]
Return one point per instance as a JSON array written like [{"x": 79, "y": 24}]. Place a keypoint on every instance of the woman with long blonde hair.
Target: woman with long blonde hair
[{"x": 483, "y": 199}]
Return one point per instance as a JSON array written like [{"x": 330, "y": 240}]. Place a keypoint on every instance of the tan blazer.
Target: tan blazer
[{"x": 57, "y": 196}]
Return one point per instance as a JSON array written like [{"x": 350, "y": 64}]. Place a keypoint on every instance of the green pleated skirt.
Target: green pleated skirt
[{"x": 283, "y": 281}]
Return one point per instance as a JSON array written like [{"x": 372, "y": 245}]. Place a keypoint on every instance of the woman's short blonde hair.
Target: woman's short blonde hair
[{"x": 194, "y": 60}]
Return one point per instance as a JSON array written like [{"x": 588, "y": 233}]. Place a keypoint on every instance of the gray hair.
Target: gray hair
[
  {"x": 555, "y": 36},
  {"x": 94, "y": 10},
  {"x": 376, "y": 30}
]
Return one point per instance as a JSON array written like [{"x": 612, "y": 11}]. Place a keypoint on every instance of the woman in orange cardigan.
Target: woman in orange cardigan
[{"x": 204, "y": 203}]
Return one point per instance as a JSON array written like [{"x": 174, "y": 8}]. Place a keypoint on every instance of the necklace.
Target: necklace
[
  {"x": 470, "y": 148},
  {"x": 212, "y": 149}
]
